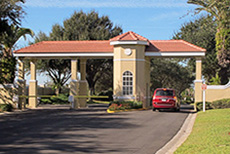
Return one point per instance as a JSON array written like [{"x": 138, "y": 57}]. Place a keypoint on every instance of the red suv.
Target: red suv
[{"x": 164, "y": 98}]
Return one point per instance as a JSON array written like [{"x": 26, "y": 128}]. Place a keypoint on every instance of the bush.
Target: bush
[
  {"x": 45, "y": 101},
  {"x": 108, "y": 93},
  {"x": 199, "y": 106},
  {"x": 125, "y": 105},
  {"x": 219, "y": 104},
  {"x": 6, "y": 107},
  {"x": 60, "y": 99}
]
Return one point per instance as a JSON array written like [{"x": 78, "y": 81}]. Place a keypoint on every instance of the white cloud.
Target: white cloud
[{"x": 108, "y": 3}]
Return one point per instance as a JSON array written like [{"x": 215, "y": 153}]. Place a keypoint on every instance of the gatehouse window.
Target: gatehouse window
[{"x": 127, "y": 88}]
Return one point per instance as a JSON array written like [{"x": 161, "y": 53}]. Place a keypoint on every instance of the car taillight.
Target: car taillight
[{"x": 153, "y": 97}]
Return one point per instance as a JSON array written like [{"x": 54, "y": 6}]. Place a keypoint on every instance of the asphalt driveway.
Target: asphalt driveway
[{"x": 60, "y": 130}]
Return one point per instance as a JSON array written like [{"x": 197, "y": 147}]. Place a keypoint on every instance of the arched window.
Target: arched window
[{"x": 127, "y": 88}]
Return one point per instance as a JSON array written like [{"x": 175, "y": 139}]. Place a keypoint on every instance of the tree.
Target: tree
[
  {"x": 11, "y": 12},
  {"x": 169, "y": 74},
  {"x": 7, "y": 61},
  {"x": 58, "y": 70},
  {"x": 10, "y": 38},
  {"x": 220, "y": 10},
  {"x": 83, "y": 26},
  {"x": 201, "y": 32}
]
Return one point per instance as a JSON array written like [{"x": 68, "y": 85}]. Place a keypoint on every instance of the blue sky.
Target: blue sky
[{"x": 153, "y": 19}]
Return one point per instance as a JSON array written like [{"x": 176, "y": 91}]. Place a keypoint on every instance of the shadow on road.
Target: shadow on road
[{"x": 58, "y": 130}]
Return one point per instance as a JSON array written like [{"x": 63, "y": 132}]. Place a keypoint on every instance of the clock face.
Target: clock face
[{"x": 128, "y": 51}]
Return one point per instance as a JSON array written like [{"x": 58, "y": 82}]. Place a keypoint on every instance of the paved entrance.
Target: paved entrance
[{"x": 60, "y": 130}]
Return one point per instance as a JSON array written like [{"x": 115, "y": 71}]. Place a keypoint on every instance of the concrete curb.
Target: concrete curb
[{"x": 180, "y": 137}]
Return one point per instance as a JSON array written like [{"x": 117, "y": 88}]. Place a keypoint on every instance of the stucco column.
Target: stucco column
[
  {"x": 83, "y": 90},
  {"x": 33, "y": 85},
  {"x": 21, "y": 84},
  {"x": 147, "y": 101},
  {"x": 198, "y": 81},
  {"x": 73, "y": 83}
]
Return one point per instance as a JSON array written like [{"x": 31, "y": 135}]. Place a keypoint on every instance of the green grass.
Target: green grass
[{"x": 210, "y": 134}]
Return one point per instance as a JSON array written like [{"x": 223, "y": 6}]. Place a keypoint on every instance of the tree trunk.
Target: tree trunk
[{"x": 57, "y": 91}]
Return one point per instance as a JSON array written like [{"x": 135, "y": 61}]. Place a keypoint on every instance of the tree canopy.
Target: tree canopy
[
  {"x": 169, "y": 73},
  {"x": 82, "y": 26},
  {"x": 220, "y": 10},
  {"x": 11, "y": 12},
  {"x": 201, "y": 32}
]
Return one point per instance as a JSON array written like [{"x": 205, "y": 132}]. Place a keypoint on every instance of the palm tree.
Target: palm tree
[
  {"x": 220, "y": 10},
  {"x": 7, "y": 44},
  {"x": 10, "y": 38}
]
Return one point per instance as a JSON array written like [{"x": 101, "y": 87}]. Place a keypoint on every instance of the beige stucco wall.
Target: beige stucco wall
[
  {"x": 135, "y": 63},
  {"x": 214, "y": 92}
]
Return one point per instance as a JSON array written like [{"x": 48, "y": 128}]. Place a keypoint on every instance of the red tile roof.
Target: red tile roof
[
  {"x": 129, "y": 36},
  {"x": 105, "y": 47},
  {"x": 68, "y": 47},
  {"x": 173, "y": 46}
]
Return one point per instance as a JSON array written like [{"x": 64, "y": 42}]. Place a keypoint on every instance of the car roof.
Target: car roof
[{"x": 164, "y": 88}]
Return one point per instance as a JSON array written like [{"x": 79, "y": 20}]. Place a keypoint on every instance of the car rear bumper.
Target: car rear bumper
[{"x": 164, "y": 105}]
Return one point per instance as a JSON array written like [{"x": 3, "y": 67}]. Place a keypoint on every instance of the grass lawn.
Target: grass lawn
[{"x": 210, "y": 134}]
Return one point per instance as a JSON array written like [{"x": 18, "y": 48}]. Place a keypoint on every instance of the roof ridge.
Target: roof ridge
[
  {"x": 121, "y": 36},
  {"x": 133, "y": 35}
]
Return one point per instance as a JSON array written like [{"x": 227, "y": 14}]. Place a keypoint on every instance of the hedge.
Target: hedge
[{"x": 218, "y": 104}]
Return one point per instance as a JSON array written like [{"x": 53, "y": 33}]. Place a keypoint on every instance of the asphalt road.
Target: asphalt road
[{"x": 60, "y": 130}]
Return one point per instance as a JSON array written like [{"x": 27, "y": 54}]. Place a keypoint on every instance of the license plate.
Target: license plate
[{"x": 164, "y": 100}]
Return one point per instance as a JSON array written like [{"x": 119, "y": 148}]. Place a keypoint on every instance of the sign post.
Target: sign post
[{"x": 204, "y": 87}]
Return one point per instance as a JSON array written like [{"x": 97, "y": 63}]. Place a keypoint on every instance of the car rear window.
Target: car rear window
[{"x": 164, "y": 93}]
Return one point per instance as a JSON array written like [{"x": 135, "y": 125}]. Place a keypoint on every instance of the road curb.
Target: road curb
[{"x": 180, "y": 137}]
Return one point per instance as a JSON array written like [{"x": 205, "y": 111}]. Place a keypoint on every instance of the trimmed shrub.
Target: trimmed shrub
[
  {"x": 45, "y": 101},
  {"x": 199, "y": 106},
  {"x": 6, "y": 107},
  {"x": 60, "y": 99},
  {"x": 221, "y": 104}
]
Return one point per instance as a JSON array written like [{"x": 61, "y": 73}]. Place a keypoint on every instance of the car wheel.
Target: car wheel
[
  {"x": 178, "y": 109},
  {"x": 154, "y": 109}
]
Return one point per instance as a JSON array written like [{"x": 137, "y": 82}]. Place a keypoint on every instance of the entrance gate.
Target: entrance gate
[{"x": 130, "y": 52}]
